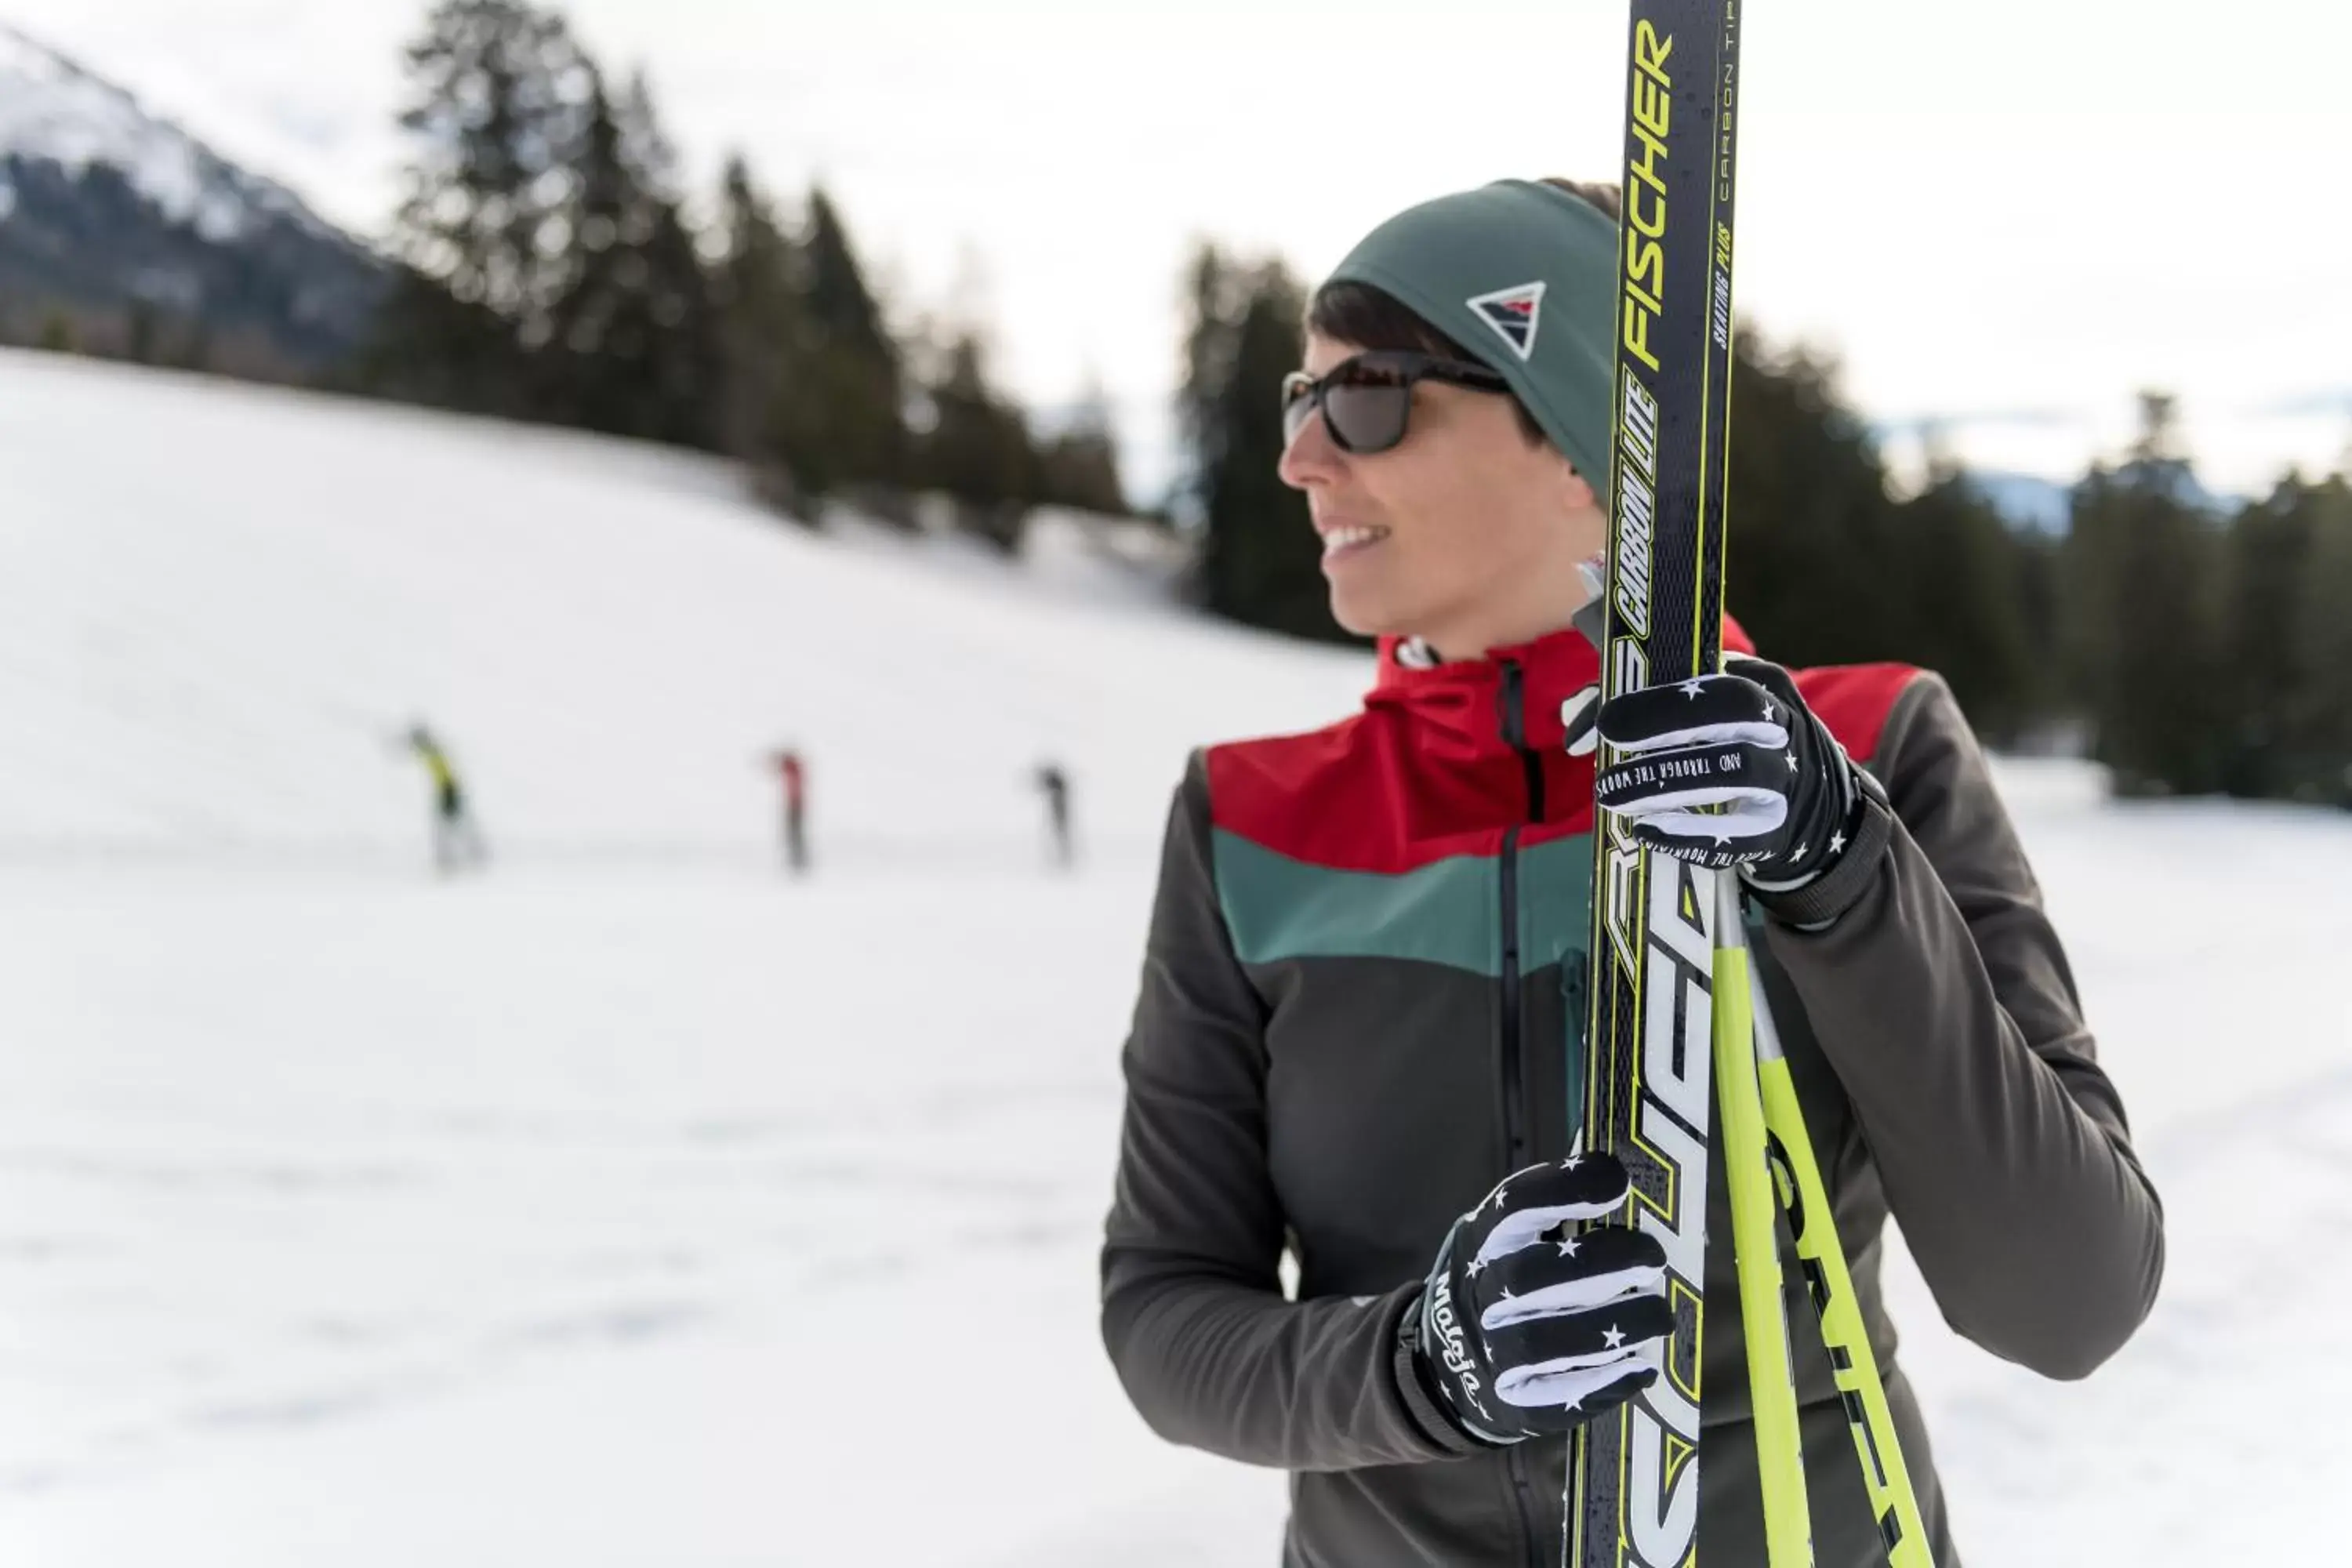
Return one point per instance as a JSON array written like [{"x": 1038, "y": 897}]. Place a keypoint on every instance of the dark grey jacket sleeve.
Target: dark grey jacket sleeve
[
  {"x": 1210, "y": 1352},
  {"x": 1940, "y": 994}
]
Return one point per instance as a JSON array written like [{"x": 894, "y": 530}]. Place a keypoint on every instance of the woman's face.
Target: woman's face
[{"x": 1463, "y": 533}]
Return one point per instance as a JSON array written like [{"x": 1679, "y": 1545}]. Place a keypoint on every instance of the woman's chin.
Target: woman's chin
[{"x": 1361, "y": 615}]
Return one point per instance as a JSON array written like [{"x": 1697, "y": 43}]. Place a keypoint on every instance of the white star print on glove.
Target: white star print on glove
[
  {"x": 1729, "y": 770},
  {"x": 1535, "y": 1318}
]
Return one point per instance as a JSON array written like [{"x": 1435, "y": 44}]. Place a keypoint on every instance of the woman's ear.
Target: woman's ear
[{"x": 1576, "y": 494}]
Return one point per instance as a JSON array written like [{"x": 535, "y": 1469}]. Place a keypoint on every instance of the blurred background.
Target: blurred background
[{"x": 599, "y": 609}]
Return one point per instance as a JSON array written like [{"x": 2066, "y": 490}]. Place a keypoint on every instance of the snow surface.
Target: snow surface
[
  {"x": 52, "y": 109},
  {"x": 634, "y": 1204}
]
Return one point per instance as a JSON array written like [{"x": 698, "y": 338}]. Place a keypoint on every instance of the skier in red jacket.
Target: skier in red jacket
[{"x": 791, "y": 773}]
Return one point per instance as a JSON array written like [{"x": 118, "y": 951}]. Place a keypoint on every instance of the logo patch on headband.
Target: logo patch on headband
[{"x": 1512, "y": 312}]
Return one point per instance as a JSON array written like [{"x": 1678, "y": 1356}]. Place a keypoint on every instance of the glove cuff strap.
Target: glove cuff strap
[
  {"x": 1430, "y": 1411},
  {"x": 1417, "y": 1376},
  {"x": 1817, "y": 903}
]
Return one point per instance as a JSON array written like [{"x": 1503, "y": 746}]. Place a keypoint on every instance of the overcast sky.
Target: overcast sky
[{"x": 2014, "y": 212}]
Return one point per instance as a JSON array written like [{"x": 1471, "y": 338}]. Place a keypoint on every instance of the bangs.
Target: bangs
[{"x": 1357, "y": 313}]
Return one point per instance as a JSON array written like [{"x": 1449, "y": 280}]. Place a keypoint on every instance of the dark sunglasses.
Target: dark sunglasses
[{"x": 1366, "y": 400}]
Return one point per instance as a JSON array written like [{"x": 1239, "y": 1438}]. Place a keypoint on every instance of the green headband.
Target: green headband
[{"x": 1524, "y": 276}]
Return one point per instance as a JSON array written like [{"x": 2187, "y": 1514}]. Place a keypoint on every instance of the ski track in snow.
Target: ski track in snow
[{"x": 633, "y": 1205}]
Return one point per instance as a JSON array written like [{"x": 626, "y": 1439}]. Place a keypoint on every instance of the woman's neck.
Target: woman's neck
[{"x": 1548, "y": 605}]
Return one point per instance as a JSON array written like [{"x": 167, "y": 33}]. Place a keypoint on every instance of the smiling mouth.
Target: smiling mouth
[{"x": 1347, "y": 541}]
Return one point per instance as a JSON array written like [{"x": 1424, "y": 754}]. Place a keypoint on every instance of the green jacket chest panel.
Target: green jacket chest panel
[{"x": 1448, "y": 912}]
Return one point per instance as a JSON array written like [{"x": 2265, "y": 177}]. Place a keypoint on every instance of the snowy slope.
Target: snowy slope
[
  {"x": 227, "y": 602},
  {"x": 633, "y": 1205},
  {"x": 52, "y": 109}
]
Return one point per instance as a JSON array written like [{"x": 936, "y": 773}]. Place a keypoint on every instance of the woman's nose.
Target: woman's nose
[{"x": 1309, "y": 454}]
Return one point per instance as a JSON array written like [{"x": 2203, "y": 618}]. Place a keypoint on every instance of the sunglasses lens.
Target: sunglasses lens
[
  {"x": 1367, "y": 415},
  {"x": 1297, "y": 404}
]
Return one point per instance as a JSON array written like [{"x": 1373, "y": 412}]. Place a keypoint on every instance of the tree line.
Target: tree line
[
  {"x": 2190, "y": 650},
  {"x": 548, "y": 269}
]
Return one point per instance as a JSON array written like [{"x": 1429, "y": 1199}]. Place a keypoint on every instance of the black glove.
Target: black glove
[
  {"x": 1732, "y": 770},
  {"x": 1526, "y": 1328}
]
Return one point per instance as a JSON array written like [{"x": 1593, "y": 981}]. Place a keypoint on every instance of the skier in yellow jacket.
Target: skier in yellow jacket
[{"x": 456, "y": 837}]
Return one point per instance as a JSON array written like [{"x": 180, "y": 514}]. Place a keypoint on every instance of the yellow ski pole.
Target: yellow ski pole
[
  {"x": 1755, "y": 1243},
  {"x": 1821, "y": 1258}
]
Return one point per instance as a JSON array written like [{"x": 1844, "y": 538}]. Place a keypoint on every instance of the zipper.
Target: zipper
[
  {"x": 1515, "y": 734},
  {"x": 1515, "y": 1129},
  {"x": 1513, "y": 718}
]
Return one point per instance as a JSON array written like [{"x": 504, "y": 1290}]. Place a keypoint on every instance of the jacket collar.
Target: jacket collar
[{"x": 1468, "y": 701}]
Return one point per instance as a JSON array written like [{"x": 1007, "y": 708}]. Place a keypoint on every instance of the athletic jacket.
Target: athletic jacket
[{"x": 1362, "y": 1004}]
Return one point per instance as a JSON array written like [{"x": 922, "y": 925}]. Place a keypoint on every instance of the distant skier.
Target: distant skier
[
  {"x": 792, "y": 773},
  {"x": 457, "y": 838},
  {"x": 1054, "y": 785}
]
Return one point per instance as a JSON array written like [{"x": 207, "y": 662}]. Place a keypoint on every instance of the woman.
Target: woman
[{"x": 1359, "y": 1027}]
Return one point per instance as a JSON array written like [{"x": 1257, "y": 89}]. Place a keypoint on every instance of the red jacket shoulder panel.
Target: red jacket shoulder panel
[
  {"x": 1423, "y": 772},
  {"x": 1853, "y": 701},
  {"x": 1353, "y": 797}
]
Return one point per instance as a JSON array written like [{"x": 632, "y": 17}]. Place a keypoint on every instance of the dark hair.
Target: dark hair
[
  {"x": 1601, "y": 193},
  {"x": 1371, "y": 318}
]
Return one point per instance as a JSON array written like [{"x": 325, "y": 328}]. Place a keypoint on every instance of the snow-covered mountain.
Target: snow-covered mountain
[
  {"x": 2039, "y": 505},
  {"x": 2026, "y": 501},
  {"x": 52, "y": 108},
  {"x": 104, "y": 206}
]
